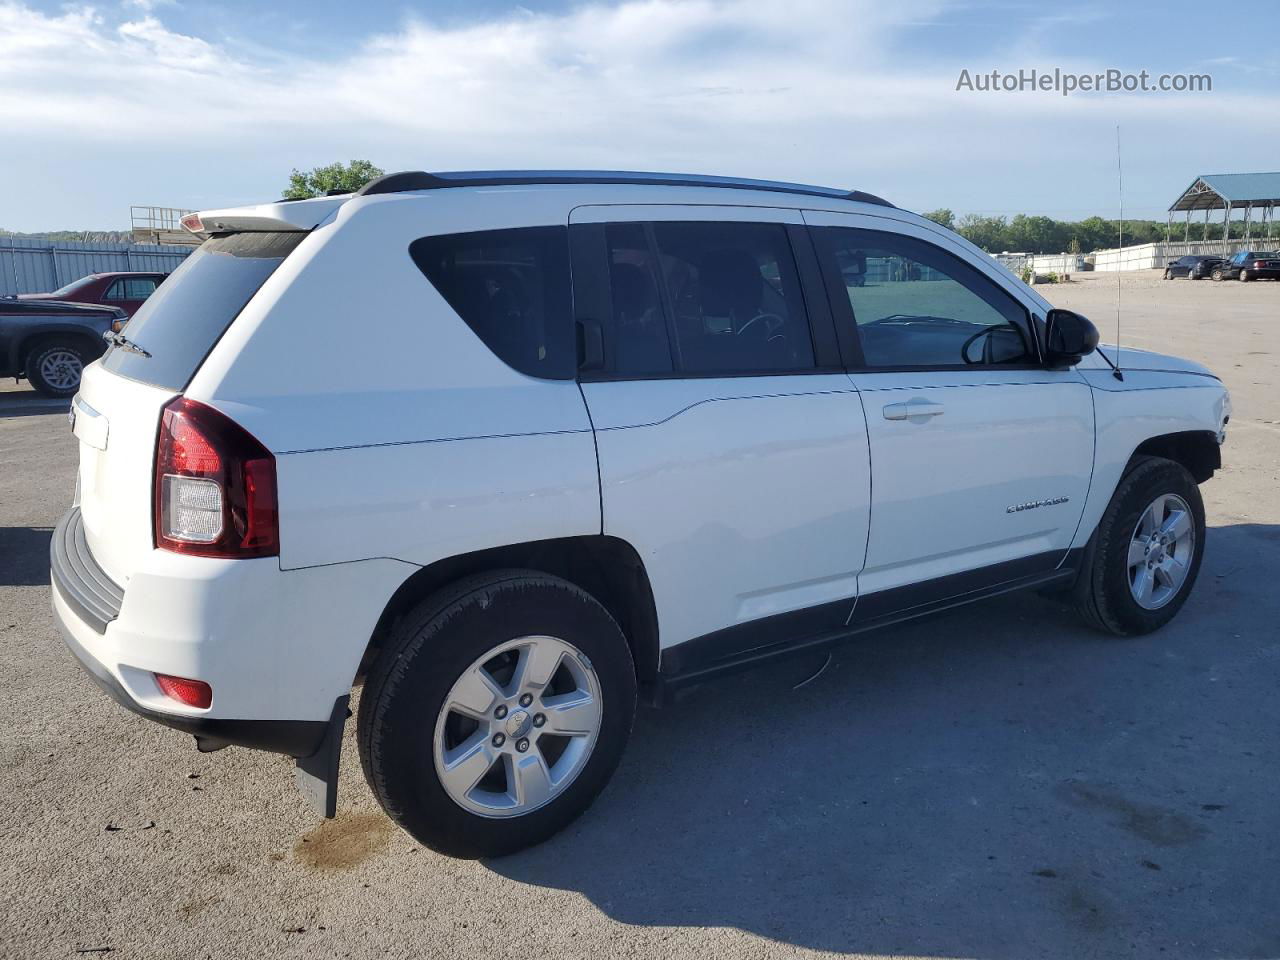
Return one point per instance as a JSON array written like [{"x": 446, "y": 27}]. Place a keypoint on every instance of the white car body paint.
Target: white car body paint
[{"x": 401, "y": 440}]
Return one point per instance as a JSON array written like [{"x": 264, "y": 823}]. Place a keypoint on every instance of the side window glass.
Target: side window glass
[
  {"x": 639, "y": 334},
  {"x": 733, "y": 298},
  {"x": 115, "y": 291},
  {"x": 511, "y": 287},
  {"x": 138, "y": 288},
  {"x": 915, "y": 305}
]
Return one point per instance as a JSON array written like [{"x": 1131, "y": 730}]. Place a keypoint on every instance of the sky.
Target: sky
[{"x": 207, "y": 103}]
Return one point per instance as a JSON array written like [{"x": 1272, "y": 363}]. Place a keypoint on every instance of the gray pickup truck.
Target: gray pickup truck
[{"x": 50, "y": 341}]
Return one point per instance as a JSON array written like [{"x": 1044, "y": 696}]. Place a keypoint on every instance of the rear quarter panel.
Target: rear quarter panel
[{"x": 397, "y": 433}]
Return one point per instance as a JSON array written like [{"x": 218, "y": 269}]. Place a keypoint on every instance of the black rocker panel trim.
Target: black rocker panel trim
[{"x": 816, "y": 628}]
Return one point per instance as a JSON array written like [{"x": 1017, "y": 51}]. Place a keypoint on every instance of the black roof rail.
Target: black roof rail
[{"x": 419, "y": 180}]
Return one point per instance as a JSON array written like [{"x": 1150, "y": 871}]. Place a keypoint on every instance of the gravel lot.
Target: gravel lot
[{"x": 994, "y": 783}]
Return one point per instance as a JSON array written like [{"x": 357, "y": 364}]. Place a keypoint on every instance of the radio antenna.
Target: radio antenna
[{"x": 1115, "y": 367}]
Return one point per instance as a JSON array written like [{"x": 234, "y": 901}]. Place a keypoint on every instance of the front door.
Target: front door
[{"x": 981, "y": 457}]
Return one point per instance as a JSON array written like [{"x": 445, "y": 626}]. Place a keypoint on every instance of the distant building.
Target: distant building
[
  {"x": 161, "y": 225},
  {"x": 1229, "y": 192}
]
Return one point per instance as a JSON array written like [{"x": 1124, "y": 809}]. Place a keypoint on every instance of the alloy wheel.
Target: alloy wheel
[
  {"x": 517, "y": 727},
  {"x": 61, "y": 369},
  {"x": 1160, "y": 551}
]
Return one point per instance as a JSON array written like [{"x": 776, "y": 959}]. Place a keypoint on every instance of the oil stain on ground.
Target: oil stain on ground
[
  {"x": 345, "y": 842},
  {"x": 1157, "y": 825}
]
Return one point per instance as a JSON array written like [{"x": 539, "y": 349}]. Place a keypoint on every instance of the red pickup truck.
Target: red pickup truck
[{"x": 126, "y": 291}]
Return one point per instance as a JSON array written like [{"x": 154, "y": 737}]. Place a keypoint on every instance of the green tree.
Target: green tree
[
  {"x": 943, "y": 217},
  {"x": 341, "y": 177},
  {"x": 989, "y": 233}
]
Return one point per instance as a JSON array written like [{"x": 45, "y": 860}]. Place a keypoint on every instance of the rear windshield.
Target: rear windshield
[{"x": 180, "y": 323}]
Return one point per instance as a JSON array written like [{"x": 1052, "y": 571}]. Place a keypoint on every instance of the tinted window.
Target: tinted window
[
  {"x": 732, "y": 298},
  {"x": 193, "y": 308},
  {"x": 915, "y": 305},
  {"x": 639, "y": 339},
  {"x": 511, "y": 287},
  {"x": 115, "y": 291}
]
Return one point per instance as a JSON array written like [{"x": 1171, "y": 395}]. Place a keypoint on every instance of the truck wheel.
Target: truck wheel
[
  {"x": 55, "y": 368},
  {"x": 496, "y": 713},
  {"x": 1143, "y": 559}
]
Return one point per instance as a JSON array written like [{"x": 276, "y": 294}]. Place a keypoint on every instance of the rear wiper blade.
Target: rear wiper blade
[{"x": 124, "y": 343}]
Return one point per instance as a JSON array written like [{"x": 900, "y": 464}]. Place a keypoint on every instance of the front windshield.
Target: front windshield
[{"x": 71, "y": 287}]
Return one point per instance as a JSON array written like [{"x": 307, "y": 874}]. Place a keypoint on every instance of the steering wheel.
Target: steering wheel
[
  {"x": 988, "y": 356},
  {"x": 989, "y": 344},
  {"x": 766, "y": 317}
]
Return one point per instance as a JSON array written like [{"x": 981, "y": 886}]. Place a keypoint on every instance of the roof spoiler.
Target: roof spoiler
[{"x": 282, "y": 216}]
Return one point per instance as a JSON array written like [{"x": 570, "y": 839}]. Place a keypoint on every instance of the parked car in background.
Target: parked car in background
[
  {"x": 127, "y": 291},
  {"x": 598, "y": 435},
  {"x": 1193, "y": 267},
  {"x": 1249, "y": 265},
  {"x": 50, "y": 342}
]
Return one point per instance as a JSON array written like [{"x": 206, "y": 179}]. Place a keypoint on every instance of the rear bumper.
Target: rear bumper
[
  {"x": 297, "y": 738},
  {"x": 278, "y": 648}
]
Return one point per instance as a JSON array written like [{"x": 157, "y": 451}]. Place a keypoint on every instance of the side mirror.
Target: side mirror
[{"x": 1067, "y": 338}]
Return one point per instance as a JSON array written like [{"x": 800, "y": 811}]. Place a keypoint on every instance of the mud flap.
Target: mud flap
[{"x": 317, "y": 775}]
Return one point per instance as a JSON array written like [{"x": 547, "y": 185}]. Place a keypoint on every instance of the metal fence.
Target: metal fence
[{"x": 33, "y": 265}]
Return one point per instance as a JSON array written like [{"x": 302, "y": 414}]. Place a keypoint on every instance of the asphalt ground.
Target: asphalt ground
[{"x": 998, "y": 782}]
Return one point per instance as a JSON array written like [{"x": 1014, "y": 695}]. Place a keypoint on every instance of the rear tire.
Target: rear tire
[
  {"x": 1122, "y": 551},
  {"x": 459, "y": 730},
  {"x": 55, "y": 367},
  {"x": 1216, "y": 275}
]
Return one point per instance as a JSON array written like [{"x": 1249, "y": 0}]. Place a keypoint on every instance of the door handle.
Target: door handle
[{"x": 912, "y": 409}]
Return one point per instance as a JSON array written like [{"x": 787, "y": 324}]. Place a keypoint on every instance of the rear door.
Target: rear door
[
  {"x": 981, "y": 457},
  {"x": 732, "y": 446},
  {"x": 117, "y": 411}
]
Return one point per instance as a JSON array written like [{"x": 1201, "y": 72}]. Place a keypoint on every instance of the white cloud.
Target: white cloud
[{"x": 822, "y": 90}]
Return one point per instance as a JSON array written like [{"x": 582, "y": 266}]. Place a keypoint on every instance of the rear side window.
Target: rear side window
[
  {"x": 511, "y": 287},
  {"x": 735, "y": 298},
  {"x": 702, "y": 298},
  {"x": 186, "y": 315}
]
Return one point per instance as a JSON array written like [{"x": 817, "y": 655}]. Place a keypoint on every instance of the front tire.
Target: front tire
[
  {"x": 1143, "y": 559},
  {"x": 54, "y": 368},
  {"x": 1168, "y": 274},
  {"x": 1216, "y": 276},
  {"x": 1244, "y": 276},
  {"x": 497, "y": 713}
]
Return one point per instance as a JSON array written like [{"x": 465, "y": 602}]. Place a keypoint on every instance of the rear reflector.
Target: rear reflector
[{"x": 194, "y": 693}]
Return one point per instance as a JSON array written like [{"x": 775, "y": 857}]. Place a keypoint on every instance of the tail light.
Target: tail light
[
  {"x": 215, "y": 486},
  {"x": 194, "y": 693},
  {"x": 1259, "y": 264}
]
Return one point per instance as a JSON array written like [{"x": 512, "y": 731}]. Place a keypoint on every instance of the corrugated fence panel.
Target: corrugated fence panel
[{"x": 32, "y": 265}]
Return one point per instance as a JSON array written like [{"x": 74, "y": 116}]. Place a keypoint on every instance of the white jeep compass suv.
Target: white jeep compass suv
[{"x": 518, "y": 448}]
